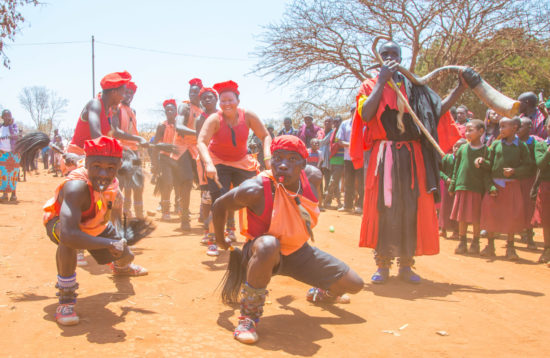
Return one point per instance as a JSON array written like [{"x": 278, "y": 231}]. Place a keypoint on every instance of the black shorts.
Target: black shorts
[
  {"x": 308, "y": 265},
  {"x": 228, "y": 176},
  {"x": 175, "y": 172},
  {"x": 101, "y": 256}
]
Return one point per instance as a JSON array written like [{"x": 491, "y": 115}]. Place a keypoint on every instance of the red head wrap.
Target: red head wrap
[
  {"x": 289, "y": 142},
  {"x": 115, "y": 80},
  {"x": 103, "y": 146},
  {"x": 131, "y": 86},
  {"x": 227, "y": 86},
  {"x": 196, "y": 82},
  {"x": 208, "y": 89},
  {"x": 169, "y": 101}
]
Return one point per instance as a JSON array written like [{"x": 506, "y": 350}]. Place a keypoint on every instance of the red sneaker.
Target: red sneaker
[
  {"x": 246, "y": 331},
  {"x": 65, "y": 314}
]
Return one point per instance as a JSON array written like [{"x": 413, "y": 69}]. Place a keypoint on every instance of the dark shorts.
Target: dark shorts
[
  {"x": 228, "y": 176},
  {"x": 101, "y": 256},
  {"x": 308, "y": 264},
  {"x": 174, "y": 172}
]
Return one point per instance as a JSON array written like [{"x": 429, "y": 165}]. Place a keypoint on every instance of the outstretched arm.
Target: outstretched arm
[
  {"x": 120, "y": 134},
  {"x": 210, "y": 127}
]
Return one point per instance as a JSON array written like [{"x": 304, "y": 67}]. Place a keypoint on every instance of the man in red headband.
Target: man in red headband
[
  {"x": 80, "y": 216},
  {"x": 278, "y": 244},
  {"x": 223, "y": 146},
  {"x": 124, "y": 125}
]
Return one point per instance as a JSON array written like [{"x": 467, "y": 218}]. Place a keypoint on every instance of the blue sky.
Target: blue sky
[{"x": 226, "y": 29}]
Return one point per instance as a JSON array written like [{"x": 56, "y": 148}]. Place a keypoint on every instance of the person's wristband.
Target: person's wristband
[{"x": 267, "y": 158}]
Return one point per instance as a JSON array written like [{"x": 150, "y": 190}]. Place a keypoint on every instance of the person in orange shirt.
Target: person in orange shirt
[
  {"x": 124, "y": 128},
  {"x": 281, "y": 208},
  {"x": 80, "y": 216}
]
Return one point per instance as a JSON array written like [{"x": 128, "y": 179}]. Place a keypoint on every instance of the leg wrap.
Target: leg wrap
[
  {"x": 252, "y": 302},
  {"x": 382, "y": 261},
  {"x": 67, "y": 287},
  {"x": 405, "y": 261}
]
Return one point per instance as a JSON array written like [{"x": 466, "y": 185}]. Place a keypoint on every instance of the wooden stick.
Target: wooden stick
[{"x": 402, "y": 97}]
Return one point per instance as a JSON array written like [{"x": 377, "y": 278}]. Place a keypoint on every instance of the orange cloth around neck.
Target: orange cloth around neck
[
  {"x": 128, "y": 124},
  {"x": 102, "y": 202},
  {"x": 286, "y": 223}
]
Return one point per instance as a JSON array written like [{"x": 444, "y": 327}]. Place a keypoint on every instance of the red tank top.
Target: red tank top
[
  {"x": 259, "y": 224},
  {"x": 82, "y": 130},
  {"x": 227, "y": 146}
]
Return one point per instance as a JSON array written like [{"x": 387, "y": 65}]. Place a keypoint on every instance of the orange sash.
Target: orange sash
[
  {"x": 188, "y": 142},
  {"x": 96, "y": 223},
  {"x": 128, "y": 124}
]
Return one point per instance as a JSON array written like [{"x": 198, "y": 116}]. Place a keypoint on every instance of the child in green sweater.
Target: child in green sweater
[
  {"x": 542, "y": 212},
  {"x": 502, "y": 210},
  {"x": 468, "y": 186},
  {"x": 446, "y": 173}
]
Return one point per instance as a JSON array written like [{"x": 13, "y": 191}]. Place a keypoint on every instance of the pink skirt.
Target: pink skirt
[
  {"x": 466, "y": 207},
  {"x": 528, "y": 204},
  {"x": 445, "y": 221},
  {"x": 542, "y": 213},
  {"x": 504, "y": 213}
]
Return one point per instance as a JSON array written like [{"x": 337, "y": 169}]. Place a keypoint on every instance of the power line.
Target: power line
[
  {"x": 174, "y": 53},
  {"x": 47, "y": 43}
]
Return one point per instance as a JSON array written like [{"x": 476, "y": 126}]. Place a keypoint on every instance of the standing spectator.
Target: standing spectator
[
  {"x": 271, "y": 130},
  {"x": 528, "y": 108},
  {"x": 336, "y": 167},
  {"x": 9, "y": 160},
  {"x": 288, "y": 129},
  {"x": 492, "y": 120},
  {"x": 309, "y": 130},
  {"x": 324, "y": 148},
  {"x": 45, "y": 157},
  {"x": 461, "y": 119},
  {"x": 353, "y": 178}
]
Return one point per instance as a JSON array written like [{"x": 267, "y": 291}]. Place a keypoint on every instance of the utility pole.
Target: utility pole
[{"x": 93, "y": 67}]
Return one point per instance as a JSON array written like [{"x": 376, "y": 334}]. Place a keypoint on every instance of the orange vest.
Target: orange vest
[
  {"x": 128, "y": 124},
  {"x": 95, "y": 219},
  {"x": 188, "y": 142}
]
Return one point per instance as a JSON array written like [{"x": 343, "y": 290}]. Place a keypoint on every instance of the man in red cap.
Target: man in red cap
[
  {"x": 80, "y": 216},
  {"x": 124, "y": 126},
  {"x": 278, "y": 244},
  {"x": 222, "y": 145}
]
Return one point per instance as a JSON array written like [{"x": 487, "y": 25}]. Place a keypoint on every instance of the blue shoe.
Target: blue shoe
[
  {"x": 380, "y": 276},
  {"x": 408, "y": 275}
]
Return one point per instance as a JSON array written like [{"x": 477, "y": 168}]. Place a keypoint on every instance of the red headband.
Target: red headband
[
  {"x": 196, "y": 82},
  {"x": 289, "y": 142},
  {"x": 103, "y": 146},
  {"x": 131, "y": 86},
  {"x": 169, "y": 101},
  {"x": 208, "y": 89},
  {"x": 115, "y": 80},
  {"x": 227, "y": 86}
]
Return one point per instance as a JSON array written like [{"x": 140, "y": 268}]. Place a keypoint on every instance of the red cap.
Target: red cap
[
  {"x": 227, "y": 86},
  {"x": 195, "y": 82},
  {"x": 208, "y": 89},
  {"x": 131, "y": 86},
  {"x": 289, "y": 142},
  {"x": 115, "y": 80},
  {"x": 169, "y": 101},
  {"x": 103, "y": 146}
]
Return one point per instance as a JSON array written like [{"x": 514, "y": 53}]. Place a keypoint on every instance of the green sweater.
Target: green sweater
[
  {"x": 502, "y": 156},
  {"x": 465, "y": 174},
  {"x": 532, "y": 171},
  {"x": 542, "y": 158},
  {"x": 446, "y": 170}
]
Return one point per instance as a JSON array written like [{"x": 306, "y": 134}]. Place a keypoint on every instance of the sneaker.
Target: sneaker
[
  {"x": 65, "y": 314},
  {"x": 545, "y": 257},
  {"x": 166, "y": 217},
  {"x": 488, "y": 251},
  {"x": 318, "y": 295},
  {"x": 230, "y": 234},
  {"x": 462, "y": 248},
  {"x": 80, "y": 259},
  {"x": 344, "y": 210},
  {"x": 381, "y": 275},
  {"x": 358, "y": 210},
  {"x": 207, "y": 239},
  {"x": 474, "y": 248},
  {"x": 511, "y": 254},
  {"x": 246, "y": 331},
  {"x": 130, "y": 270},
  {"x": 408, "y": 275},
  {"x": 213, "y": 250}
]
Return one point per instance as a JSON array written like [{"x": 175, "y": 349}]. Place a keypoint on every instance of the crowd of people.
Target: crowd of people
[{"x": 376, "y": 163}]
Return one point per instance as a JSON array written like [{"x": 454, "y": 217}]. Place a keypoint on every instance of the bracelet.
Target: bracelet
[{"x": 267, "y": 158}]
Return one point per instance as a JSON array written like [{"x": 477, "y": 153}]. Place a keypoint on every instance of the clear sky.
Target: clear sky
[{"x": 213, "y": 29}]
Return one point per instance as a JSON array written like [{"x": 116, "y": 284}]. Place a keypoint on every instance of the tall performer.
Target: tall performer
[
  {"x": 402, "y": 180},
  {"x": 223, "y": 148},
  {"x": 80, "y": 217},
  {"x": 130, "y": 175},
  {"x": 282, "y": 207}
]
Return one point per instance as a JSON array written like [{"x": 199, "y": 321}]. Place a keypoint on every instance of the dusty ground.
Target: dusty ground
[{"x": 491, "y": 307}]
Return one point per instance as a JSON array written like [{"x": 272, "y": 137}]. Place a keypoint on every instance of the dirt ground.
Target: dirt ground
[{"x": 487, "y": 307}]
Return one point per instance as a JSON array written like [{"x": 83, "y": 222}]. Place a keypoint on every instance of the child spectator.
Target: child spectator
[
  {"x": 468, "y": 185},
  {"x": 315, "y": 158},
  {"x": 542, "y": 213},
  {"x": 446, "y": 172}
]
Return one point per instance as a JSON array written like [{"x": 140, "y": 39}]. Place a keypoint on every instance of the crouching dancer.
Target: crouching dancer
[
  {"x": 78, "y": 217},
  {"x": 281, "y": 209}
]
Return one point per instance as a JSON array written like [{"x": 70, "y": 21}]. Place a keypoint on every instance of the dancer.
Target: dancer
[{"x": 277, "y": 244}]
